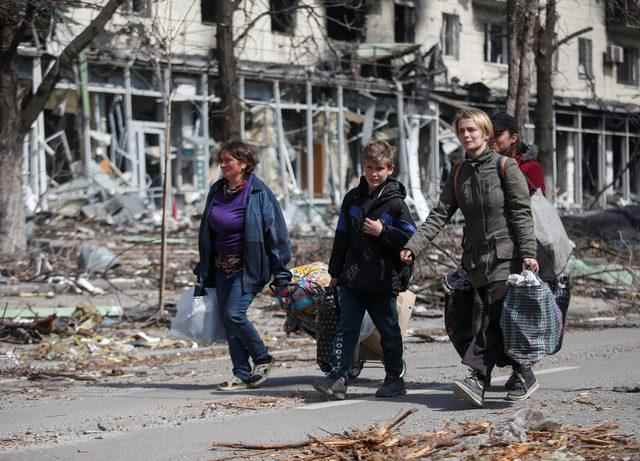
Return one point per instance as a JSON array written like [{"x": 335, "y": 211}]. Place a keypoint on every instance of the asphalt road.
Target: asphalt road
[{"x": 175, "y": 412}]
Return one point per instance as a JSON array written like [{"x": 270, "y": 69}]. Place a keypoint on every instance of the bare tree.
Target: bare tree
[
  {"x": 546, "y": 46},
  {"x": 230, "y": 40},
  {"x": 521, "y": 23},
  {"x": 20, "y": 107}
]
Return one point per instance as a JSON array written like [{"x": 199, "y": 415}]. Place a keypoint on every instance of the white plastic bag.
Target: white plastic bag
[
  {"x": 366, "y": 327},
  {"x": 199, "y": 318},
  {"x": 555, "y": 244}
]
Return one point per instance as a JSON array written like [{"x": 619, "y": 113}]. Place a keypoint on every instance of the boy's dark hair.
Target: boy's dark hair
[
  {"x": 379, "y": 152},
  {"x": 240, "y": 151}
]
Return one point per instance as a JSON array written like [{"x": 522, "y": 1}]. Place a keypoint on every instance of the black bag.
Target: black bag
[
  {"x": 327, "y": 324},
  {"x": 561, "y": 289}
]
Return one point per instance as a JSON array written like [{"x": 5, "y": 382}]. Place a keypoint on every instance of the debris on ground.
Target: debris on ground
[
  {"x": 251, "y": 403},
  {"x": 533, "y": 438}
]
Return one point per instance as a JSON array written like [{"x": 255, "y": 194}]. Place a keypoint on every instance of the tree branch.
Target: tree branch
[
  {"x": 250, "y": 25},
  {"x": 561, "y": 42},
  {"x": 34, "y": 103}
]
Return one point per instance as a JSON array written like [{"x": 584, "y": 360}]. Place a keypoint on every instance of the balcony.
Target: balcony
[
  {"x": 623, "y": 16},
  {"x": 490, "y": 3}
]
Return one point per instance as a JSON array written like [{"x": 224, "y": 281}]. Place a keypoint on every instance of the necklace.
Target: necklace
[{"x": 228, "y": 190}]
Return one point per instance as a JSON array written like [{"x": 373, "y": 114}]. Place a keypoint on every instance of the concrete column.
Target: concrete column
[
  {"x": 39, "y": 161},
  {"x": 626, "y": 185},
  {"x": 281, "y": 144},
  {"x": 608, "y": 159},
  {"x": 571, "y": 167},
  {"x": 203, "y": 169},
  {"x": 310, "y": 147},
  {"x": 342, "y": 156},
  {"x": 241, "y": 93},
  {"x": 578, "y": 186},
  {"x": 403, "y": 177}
]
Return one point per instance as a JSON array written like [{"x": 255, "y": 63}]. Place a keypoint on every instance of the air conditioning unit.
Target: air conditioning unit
[{"x": 614, "y": 54}]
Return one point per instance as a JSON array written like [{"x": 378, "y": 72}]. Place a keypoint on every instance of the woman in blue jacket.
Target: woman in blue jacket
[{"x": 243, "y": 244}]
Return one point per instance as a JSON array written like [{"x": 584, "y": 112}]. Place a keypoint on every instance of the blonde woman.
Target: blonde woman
[{"x": 498, "y": 240}]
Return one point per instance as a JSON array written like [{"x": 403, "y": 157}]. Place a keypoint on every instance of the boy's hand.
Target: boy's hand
[
  {"x": 371, "y": 227},
  {"x": 407, "y": 256}
]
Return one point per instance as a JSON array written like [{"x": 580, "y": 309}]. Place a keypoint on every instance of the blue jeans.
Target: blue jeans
[
  {"x": 242, "y": 337},
  {"x": 383, "y": 311}
]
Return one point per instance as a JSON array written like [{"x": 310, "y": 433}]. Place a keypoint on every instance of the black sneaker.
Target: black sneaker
[
  {"x": 511, "y": 383},
  {"x": 332, "y": 387},
  {"x": 471, "y": 388},
  {"x": 392, "y": 387},
  {"x": 526, "y": 384}
]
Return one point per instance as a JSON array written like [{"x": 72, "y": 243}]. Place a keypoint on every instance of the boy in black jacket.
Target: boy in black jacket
[{"x": 374, "y": 225}]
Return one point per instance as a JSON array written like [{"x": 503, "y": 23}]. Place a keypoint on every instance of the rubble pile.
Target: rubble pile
[{"x": 526, "y": 436}]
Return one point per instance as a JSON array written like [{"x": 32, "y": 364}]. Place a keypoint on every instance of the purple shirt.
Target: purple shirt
[{"x": 226, "y": 219}]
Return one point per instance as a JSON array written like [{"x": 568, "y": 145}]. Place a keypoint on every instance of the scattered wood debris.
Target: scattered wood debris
[
  {"x": 468, "y": 441},
  {"x": 26, "y": 332}
]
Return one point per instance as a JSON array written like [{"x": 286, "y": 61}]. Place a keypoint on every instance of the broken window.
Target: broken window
[
  {"x": 283, "y": 16},
  {"x": 345, "y": 20},
  {"x": 495, "y": 43},
  {"x": 405, "y": 21},
  {"x": 628, "y": 69},
  {"x": 210, "y": 11},
  {"x": 139, "y": 7},
  {"x": 450, "y": 35},
  {"x": 585, "y": 58}
]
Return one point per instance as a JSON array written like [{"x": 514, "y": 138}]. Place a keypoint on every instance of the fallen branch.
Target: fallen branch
[{"x": 35, "y": 375}]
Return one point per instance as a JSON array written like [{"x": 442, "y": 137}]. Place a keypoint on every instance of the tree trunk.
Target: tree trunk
[
  {"x": 513, "y": 30},
  {"x": 17, "y": 113},
  {"x": 544, "y": 104},
  {"x": 228, "y": 70},
  {"x": 521, "y": 20},
  {"x": 12, "y": 226}
]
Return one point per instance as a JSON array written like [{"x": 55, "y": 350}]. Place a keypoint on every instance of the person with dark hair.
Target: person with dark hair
[
  {"x": 507, "y": 141},
  {"x": 498, "y": 240},
  {"x": 243, "y": 244},
  {"x": 374, "y": 224}
]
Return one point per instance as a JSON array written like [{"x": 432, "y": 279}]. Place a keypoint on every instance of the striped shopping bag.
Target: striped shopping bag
[{"x": 531, "y": 322}]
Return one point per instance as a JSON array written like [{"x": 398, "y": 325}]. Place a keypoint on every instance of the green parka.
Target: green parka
[{"x": 498, "y": 231}]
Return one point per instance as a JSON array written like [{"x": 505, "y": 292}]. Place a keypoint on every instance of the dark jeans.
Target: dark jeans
[
  {"x": 486, "y": 350},
  {"x": 242, "y": 337},
  {"x": 384, "y": 314}
]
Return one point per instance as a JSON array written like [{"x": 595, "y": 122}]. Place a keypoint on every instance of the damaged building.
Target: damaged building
[{"x": 317, "y": 80}]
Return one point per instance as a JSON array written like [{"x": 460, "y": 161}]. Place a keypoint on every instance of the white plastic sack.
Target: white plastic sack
[
  {"x": 366, "y": 327},
  {"x": 556, "y": 246},
  {"x": 199, "y": 318}
]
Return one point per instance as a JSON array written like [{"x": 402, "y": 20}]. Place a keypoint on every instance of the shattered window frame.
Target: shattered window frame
[
  {"x": 404, "y": 21},
  {"x": 627, "y": 71},
  {"x": 209, "y": 12},
  {"x": 494, "y": 34},
  {"x": 353, "y": 23},
  {"x": 450, "y": 35},
  {"x": 585, "y": 58},
  {"x": 137, "y": 8},
  {"x": 283, "y": 15}
]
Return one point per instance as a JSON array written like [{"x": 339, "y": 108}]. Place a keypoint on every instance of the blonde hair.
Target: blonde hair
[
  {"x": 379, "y": 152},
  {"x": 479, "y": 117}
]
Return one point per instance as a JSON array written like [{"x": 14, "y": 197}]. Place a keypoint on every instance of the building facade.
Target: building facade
[{"x": 318, "y": 80}]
